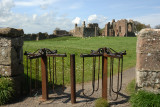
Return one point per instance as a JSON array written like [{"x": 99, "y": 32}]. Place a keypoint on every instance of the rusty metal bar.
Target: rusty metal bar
[
  {"x": 44, "y": 78},
  {"x": 90, "y": 55},
  {"x": 72, "y": 78},
  {"x": 112, "y": 55},
  {"x": 38, "y": 73},
  {"x": 27, "y": 73},
  {"x": 49, "y": 66},
  {"x": 34, "y": 57},
  {"x": 104, "y": 77},
  {"x": 57, "y": 55},
  {"x": 63, "y": 72},
  {"x": 53, "y": 73},
  {"x": 30, "y": 76}
]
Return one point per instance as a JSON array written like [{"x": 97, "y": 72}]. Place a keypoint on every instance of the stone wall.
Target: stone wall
[
  {"x": 11, "y": 55},
  {"x": 148, "y": 60},
  {"x": 61, "y": 33},
  {"x": 38, "y": 36},
  {"x": 122, "y": 28},
  {"x": 90, "y": 31}
]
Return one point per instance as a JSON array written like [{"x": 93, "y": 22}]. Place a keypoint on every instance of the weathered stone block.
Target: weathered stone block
[
  {"x": 11, "y": 55},
  {"x": 8, "y": 41},
  {"x": 148, "y": 60},
  {"x": 148, "y": 50},
  {"x": 11, "y": 52},
  {"x": 17, "y": 69},
  {"x": 148, "y": 41},
  {"x": 5, "y": 55},
  {"x": 11, "y": 32},
  {"x": 5, "y": 70},
  {"x": 148, "y": 80}
]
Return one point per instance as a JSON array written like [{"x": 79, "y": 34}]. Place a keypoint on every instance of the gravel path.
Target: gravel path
[{"x": 59, "y": 99}]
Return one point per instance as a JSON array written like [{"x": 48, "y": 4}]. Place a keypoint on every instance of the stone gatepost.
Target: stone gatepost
[
  {"x": 148, "y": 60},
  {"x": 11, "y": 56}
]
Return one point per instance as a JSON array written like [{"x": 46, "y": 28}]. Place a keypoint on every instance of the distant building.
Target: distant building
[
  {"x": 122, "y": 28},
  {"x": 61, "y": 33},
  {"x": 91, "y": 30}
]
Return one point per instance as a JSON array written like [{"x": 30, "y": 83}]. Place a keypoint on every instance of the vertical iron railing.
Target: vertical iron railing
[
  {"x": 105, "y": 53},
  {"x": 44, "y": 54}
]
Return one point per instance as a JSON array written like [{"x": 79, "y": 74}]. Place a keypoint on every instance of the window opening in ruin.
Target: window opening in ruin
[{"x": 119, "y": 28}]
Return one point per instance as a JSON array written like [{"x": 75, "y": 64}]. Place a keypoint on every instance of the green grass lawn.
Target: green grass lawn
[{"x": 75, "y": 45}]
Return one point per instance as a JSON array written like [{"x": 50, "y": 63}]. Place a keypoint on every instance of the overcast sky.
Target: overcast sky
[{"x": 45, "y": 15}]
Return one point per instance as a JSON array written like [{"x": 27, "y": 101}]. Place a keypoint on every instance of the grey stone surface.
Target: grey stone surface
[
  {"x": 11, "y": 32},
  {"x": 11, "y": 52},
  {"x": 148, "y": 60}
]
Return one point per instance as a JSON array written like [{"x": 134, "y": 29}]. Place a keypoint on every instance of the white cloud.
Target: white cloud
[
  {"x": 46, "y": 22},
  {"x": 34, "y": 16},
  {"x": 92, "y": 18},
  {"x": 5, "y": 7},
  {"x": 76, "y": 20},
  {"x": 101, "y": 20},
  {"x": 152, "y": 19},
  {"x": 42, "y": 3},
  {"x": 96, "y": 18}
]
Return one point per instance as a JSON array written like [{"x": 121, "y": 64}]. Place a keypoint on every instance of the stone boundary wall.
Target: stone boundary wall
[
  {"x": 11, "y": 56},
  {"x": 39, "y": 36},
  {"x": 148, "y": 60}
]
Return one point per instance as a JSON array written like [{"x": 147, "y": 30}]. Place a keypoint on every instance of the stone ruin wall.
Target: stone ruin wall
[
  {"x": 148, "y": 60},
  {"x": 11, "y": 55},
  {"x": 123, "y": 25},
  {"x": 120, "y": 28},
  {"x": 90, "y": 32},
  {"x": 78, "y": 32},
  {"x": 83, "y": 31},
  {"x": 61, "y": 33}
]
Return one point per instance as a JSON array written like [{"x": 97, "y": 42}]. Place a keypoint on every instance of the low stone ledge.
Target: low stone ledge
[{"x": 11, "y": 32}]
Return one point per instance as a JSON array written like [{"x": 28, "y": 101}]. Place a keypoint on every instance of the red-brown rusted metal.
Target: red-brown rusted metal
[
  {"x": 105, "y": 53},
  {"x": 72, "y": 78},
  {"x": 30, "y": 76},
  {"x": 44, "y": 77},
  {"x": 53, "y": 73},
  {"x": 104, "y": 77}
]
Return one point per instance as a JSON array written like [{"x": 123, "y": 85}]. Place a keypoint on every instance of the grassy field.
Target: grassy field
[{"x": 74, "y": 45}]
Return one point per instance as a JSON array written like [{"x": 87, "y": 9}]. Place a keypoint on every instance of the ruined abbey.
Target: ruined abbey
[
  {"x": 122, "y": 28},
  {"x": 83, "y": 31}
]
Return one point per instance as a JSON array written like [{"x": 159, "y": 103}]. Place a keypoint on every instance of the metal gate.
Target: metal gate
[
  {"x": 107, "y": 55},
  {"x": 45, "y": 55}
]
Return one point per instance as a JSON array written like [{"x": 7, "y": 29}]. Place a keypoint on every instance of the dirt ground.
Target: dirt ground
[{"x": 62, "y": 99}]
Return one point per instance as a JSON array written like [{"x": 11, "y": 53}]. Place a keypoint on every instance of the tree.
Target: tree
[
  {"x": 139, "y": 26},
  {"x": 157, "y": 26}
]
